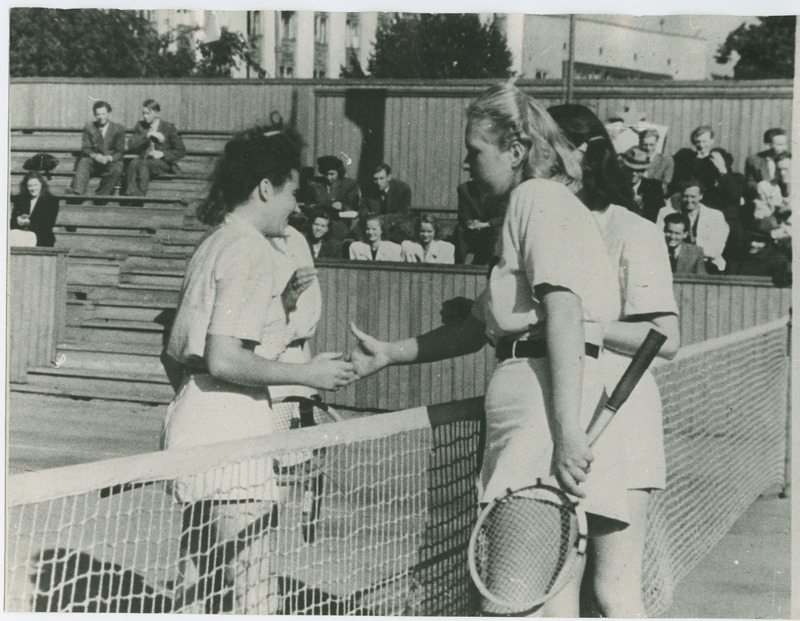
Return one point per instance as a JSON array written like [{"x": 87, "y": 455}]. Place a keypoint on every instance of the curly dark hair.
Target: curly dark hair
[
  {"x": 604, "y": 180},
  {"x": 257, "y": 153}
]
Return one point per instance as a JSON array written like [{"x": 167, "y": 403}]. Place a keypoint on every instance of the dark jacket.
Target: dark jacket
[
  {"x": 328, "y": 250},
  {"x": 344, "y": 190},
  {"x": 649, "y": 198},
  {"x": 43, "y": 219},
  {"x": 690, "y": 260},
  {"x": 689, "y": 166},
  {"x": 398, "y": 199},
  {"x": 113, "y": 144},
  {"x": 172, "y": 146}
]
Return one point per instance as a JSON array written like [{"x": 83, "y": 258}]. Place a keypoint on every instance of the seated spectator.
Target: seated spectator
[
  {"x": 102, "y": 148},
  {"x": 707, "y": 227},
  {"x": 318, "y": 236},
  {"x": 684, "y": 257},
  {"x": 661, "y": 166},
  {"x": 374, "y": 248},
  {"x": 387, "y": 195},
  {"x": 761, "y": 166},
  {"x": 34, "y": 212},
  {"x": 765, "y": 257},
  {"x": 427, "y": 248},
  {"x": 694, "y": 163},
  {"x": 725, "y": 194},
  {"x": 338, "y": 195},
  {"x": 772, "y": 200},
  {"x": 648, "y": 194},
  {"x": 158, "y": 147},
  {"x": 480, "y": 218}
]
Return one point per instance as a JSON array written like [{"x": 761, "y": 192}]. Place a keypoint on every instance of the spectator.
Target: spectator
[
  {"x": 102, "y": 148},
  {"x": 388, "y": 195},
  {"x": 694, "y": 163},
  {"x": 684, "y": 257},
  {"x": 773, "y": 196},
  {"x": 338, "y": 195},
  {"x": 480, "y": 217},
  {"x": 318, "y": 236},
  {"x": 765, "y": 257},
  {"x": 34, "y": 211},
  {"x": 661, "y": 166},
  {"x": 725, "y": 194},
  {"x": 374, "y": 248},
  {"x": 707, "y": 227},
  {"x": 648, "y": 194},
  {"x": 158, "y": 147},
  {"x": 427, "y": 248},
  {"x": 761, "y": 166}
]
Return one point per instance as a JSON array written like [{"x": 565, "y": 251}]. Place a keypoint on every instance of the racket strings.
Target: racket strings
[{"x": 514, "y": 576}]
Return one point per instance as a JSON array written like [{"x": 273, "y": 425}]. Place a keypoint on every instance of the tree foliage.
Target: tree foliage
[
  {"x": 440, "y": 46},
  {"x": 103, "y": 43},
  {"x": 766, "y": 49}
]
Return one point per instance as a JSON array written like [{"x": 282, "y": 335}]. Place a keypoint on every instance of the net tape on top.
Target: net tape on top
[{"x": 393, "y": 518}]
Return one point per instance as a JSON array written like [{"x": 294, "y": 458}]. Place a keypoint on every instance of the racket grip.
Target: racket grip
[{"x": 647, "y": 351}]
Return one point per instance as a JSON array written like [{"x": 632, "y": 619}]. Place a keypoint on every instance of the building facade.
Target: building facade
[{"x": 309, "y": 44}]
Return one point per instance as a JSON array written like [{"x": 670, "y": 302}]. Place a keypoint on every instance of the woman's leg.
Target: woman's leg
[{"x": 616, "y": 562}]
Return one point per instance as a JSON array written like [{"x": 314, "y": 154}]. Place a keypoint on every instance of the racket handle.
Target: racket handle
[{"x": 647, "y": 351}]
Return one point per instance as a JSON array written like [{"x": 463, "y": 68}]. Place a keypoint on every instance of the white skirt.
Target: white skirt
[
  {"x": 207, "y": 410},
  {"x": 641, "y": 423},
  {"x": 519, "y": 446}
]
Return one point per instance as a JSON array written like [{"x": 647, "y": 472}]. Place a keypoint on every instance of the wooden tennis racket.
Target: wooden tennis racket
[{"x": 526, "y": 543}]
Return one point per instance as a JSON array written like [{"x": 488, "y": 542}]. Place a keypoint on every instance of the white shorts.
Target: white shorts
[
  {"x": 207, "y": 410},
  {"x": 519, "y": 447}
]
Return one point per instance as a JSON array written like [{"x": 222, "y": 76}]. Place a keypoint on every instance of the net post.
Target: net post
[{"x": 786, "y": 489}]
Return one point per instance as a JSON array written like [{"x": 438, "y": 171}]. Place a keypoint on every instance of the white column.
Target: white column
[
  {"x": 515, "y": 29},
  {"x": 337, "y": 32},
  {"x": 269, "y": 40},
  {"x": 304, "y": 52},
  {"x": 369, "y": 26}
]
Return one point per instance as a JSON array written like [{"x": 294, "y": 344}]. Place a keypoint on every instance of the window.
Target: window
[
  {"x": 319, "y": 73},
  {"x": 321, "y": 28},
  {"x": 669, "y": 62},
  {"x": 254, "y": 26},
  {"x": 635, "y": 57},
  {"x": 353, "y": 30},
  {"x": 600, "y": 52},
  {"x": 288, "y": 26},
  {"x": 286, "y": 71},
  {"x": 540, "y": 75}
]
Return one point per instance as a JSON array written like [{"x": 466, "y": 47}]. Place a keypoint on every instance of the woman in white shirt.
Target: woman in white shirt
[
  {"x": 427, "y": 248},
  {"x": 374, "y": 247},
  {"x": 548, "y": 298}
]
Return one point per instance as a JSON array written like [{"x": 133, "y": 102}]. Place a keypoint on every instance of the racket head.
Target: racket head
[{"x": 525, "y": 546}]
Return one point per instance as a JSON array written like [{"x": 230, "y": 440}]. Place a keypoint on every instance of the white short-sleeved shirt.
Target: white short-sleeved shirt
[
  {"x": 228, "y": 290},
  {"x": 548, "y": 236},
  {"x": 638, "y": 248}
]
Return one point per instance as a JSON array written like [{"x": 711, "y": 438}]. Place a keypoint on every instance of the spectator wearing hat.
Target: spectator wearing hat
[
  {"x": 684, "y": 256},
  {"x": 338, "y": 195},
  {"x": 661, "y": 166},
  {"x": 648, "y": 193}
]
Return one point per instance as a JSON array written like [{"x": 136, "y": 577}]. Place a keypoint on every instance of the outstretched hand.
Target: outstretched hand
[
  {"x": 329, "y": 372},
  {"x": 370, "y": 355}
]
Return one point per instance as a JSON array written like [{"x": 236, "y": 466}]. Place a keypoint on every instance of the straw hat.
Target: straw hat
[{"x": 636, "y": 159}]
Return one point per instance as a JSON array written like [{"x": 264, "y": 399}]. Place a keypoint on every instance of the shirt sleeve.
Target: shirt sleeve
[
  {"x": 244, "y": 290},
  {"x": 646, "y": 275},
  {"x": 304, "y": 318},
  {"x": 550, "y": 231}
]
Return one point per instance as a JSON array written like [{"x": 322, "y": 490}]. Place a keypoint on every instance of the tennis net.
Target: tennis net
[{"x": 370, "y": 515}]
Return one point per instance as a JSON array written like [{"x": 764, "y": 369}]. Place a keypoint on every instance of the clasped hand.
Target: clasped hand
[
  {"x": 369, "y": 355},
  {"x": 572, "y": 461}
]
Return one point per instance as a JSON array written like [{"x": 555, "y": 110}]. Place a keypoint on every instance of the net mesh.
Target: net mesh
[{"x": 373, "y": 515}]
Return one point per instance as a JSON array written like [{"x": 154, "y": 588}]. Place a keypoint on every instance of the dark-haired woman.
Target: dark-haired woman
[
  {"x": 235, "y": 288},
  {"x": 638, "y": 250},
  {"x": 427, "y": 248},
  {"x": 319, "y": 238},
  {"x": 35, "y": 210},
  {"x": 339, "y": 195}
]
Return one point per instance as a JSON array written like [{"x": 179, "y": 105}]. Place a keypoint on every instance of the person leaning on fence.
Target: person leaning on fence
[
  {"x": 102, "y": 149},
  {"x": 428, "y": 248},
  {"x": 158, "y": 147},
  {"x": 234, "y": 287},
  {"x": 33, "y": 214}
]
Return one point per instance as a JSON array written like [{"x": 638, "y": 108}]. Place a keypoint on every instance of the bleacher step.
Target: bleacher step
[
  {"x": 131, "y": 358},
  {"x": 95, "y": 332},
  {"x": 152, "y": 277},
  {"x": 168, "y": 296},
  {"x": 101, "y": 241},
  {"x": 80, "y": 313}
]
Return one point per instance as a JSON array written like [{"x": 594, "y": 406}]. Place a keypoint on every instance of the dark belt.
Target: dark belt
[{"x": 519, "y": 348}]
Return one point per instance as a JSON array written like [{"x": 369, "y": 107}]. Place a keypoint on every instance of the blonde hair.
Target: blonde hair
[{"x": 513, "y": 115}]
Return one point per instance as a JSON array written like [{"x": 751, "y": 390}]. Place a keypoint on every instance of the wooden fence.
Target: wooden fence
[
  {"x": 36, "y": 307},
  {"x": 415, "y": 126},
  {"x": 393, "y": 301}
]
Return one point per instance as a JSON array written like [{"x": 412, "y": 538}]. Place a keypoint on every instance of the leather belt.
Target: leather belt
[{"x": 525, "y": 348}]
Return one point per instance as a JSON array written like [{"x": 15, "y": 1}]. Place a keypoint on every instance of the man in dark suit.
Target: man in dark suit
[
  {"x": 761, "y": 166},
  {"x": 684, "y": 257},
  {"x": 648, "y": 194},
  {"x": 102, "y": 149},
  {"x": 158, "y": 146},
  {"x": 695, "y": 163},
  {"x": 388, "y": 195}
]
